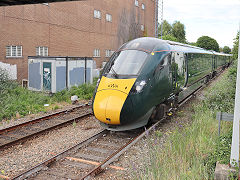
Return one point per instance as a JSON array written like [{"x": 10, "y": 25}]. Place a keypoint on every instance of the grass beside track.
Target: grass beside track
[
  {"x": 191, "y": 152},
  {"x": 16, "y": 101}
]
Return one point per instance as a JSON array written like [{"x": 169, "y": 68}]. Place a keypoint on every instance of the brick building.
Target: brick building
[{"x": 76, "y": 28}]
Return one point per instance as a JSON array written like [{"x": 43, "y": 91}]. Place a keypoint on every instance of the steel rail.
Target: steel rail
[
  {"x": 43, "y": 165},
  {"x": 40, "y": 119},
  {"x": 41, "y": 130}
]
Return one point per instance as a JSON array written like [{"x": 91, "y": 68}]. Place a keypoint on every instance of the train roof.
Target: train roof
[
  {"x": 145, "y": 43},
  {"x": 148, "y": 44},
  {"x": 192, "y": 49},
  {"x": 176, "y": 46}
]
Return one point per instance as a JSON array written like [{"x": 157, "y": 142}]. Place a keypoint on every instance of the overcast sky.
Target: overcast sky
[{"x": 218, "y": 19}]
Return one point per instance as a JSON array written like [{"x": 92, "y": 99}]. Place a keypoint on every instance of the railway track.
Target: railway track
[
  {"x": 23, "y": 131},
  {"x": 88, "y": 158}
]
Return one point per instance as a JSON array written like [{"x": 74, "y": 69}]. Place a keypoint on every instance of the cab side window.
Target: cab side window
[{"x": 165, "y": 61}]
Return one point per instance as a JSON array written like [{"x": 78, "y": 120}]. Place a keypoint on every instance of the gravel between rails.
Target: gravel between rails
[{"x": 18, "y": 158}]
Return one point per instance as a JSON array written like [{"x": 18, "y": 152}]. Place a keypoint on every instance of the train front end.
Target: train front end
[
  {"x": 119, "y": 89},
  {"x": 110, "y": 98}
]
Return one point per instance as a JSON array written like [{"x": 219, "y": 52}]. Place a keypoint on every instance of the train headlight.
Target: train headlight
[{"x": 139, "y": 86}]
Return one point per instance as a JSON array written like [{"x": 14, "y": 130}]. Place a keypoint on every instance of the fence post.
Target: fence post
[{"x": 234, "y": 159}]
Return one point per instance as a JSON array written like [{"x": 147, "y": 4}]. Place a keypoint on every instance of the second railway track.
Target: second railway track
[{"x": 20, "y": 132}]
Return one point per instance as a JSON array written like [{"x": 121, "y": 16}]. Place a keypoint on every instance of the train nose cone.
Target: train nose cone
[
  {"x": 109, "y": 99},
  {"x": 108, "y": 105}
]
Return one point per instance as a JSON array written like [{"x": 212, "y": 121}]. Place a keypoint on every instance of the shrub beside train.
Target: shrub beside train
[{"x": 147, "y": 76}]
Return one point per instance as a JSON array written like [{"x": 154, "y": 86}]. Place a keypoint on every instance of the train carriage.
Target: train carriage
[{"x": 146, "y": 76}]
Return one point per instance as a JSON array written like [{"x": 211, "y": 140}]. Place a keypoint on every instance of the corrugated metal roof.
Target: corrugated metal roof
[{"x": 23, "y": 2}]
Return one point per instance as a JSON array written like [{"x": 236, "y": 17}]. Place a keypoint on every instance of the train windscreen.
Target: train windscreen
[{"x": 127, "y": 62}]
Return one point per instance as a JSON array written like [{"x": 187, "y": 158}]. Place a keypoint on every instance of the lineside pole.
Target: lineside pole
[
  {"x": 162, "y": 20},
  {"x": 156, "y": 19},
  {"x": 234, "y": 159}
]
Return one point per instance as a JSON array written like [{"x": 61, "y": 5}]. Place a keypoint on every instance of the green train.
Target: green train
[{"x": 147, "y": 76}]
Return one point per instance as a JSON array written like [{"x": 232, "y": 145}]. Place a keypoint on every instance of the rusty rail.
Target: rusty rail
[{"x": 7, "y": 135}]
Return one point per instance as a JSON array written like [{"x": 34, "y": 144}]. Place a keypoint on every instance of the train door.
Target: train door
[
  {"x": 47, "y": 76},
  {"x": 162, "y": 79},
  {"x": 179, "y": 71}
]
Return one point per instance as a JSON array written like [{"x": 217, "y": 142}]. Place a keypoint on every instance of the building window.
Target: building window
[
  {"x": 136, "y": 2},
  {"x": 109, "y": 17},
  {"x": 13, "y": 51},
  {"x": 142, "y": 27},
  {"x": 96, "y": 53},
  {"x": 97, "y": 14},
  {"x": 108, "y": 53},
  {"x": 41, "y": 51},
  {"x": 143, "y": 6}
]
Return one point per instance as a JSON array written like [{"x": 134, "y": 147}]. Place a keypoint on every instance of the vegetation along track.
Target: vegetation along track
[{"x": 14, "y": 134}]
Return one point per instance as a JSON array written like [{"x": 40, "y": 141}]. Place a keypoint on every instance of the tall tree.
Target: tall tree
[
  {"x": 226, "y": 50},
  {"x": 174, "y": 32},
  {"x": 169, "y": 37},
  {"x": 235, "y": 46},
  {"x": 166, "y": 28},
  {"x": 178, "y": 31},
  {"x": 208, "y": 43}
]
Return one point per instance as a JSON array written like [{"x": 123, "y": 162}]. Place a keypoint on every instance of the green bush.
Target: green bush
[
  {"x": 221, "y": 97},
  {"x": 84, "y": 91}
]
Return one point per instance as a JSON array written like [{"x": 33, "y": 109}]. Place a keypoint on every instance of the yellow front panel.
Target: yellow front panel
[
  {"x": 109, "y": 99},
  {"x": 123, "y": 85},
  {"x": 107, "y": 106}
]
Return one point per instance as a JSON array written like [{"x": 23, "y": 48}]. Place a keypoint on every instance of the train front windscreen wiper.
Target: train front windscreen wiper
[{"x": 114, "y": 73}]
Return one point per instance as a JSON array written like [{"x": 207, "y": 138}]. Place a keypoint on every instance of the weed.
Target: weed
[
  {"x": 158, "y": 134},
  {"x": 180, "y": 113},
  {"x": 74, "y": 124},
  {"x": 56, "y": 107}
]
